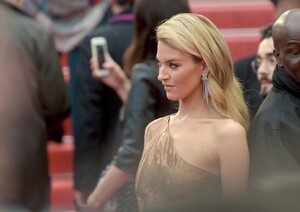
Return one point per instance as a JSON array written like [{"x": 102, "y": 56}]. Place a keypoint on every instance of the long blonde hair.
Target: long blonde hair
[{"x": 197, "y": 36}]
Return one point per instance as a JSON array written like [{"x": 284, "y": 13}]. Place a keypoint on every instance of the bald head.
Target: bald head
[{"x": 286, "y": 38}]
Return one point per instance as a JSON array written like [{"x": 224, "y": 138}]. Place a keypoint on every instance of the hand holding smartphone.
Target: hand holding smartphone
[{"x": 99, "y": 51}]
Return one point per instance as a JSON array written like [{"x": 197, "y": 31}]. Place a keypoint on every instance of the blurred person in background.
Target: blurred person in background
[
  {"x": 243, "y": 67},
  {"x": 97, "y": 105},
  {"x": 34, "y": 100},
  {"x": 69, "y": 22},
  {"x": 264, "y": 63},
  {"x": 144, "y": 100}
]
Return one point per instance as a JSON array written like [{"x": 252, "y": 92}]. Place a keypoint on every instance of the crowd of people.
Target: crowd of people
[{"x": 176, "y": 125}]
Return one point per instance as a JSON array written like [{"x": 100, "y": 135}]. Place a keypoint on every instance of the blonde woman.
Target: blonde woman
[{"x": 201, "y": 149}]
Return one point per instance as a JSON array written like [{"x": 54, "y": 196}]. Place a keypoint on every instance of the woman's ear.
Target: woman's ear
[{"x": 205, "y": 70}]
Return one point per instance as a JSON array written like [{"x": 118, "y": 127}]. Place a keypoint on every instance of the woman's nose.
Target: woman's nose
[{"x": 162, "y": 75}]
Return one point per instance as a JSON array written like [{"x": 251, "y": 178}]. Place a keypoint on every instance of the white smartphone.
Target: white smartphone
[{"x": 99, "y": 51}]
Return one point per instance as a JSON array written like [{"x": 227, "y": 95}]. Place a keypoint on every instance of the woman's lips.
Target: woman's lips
[{"x": 168, "y": 87}]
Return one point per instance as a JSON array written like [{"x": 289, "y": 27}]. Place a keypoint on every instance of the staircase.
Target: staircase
[
  {"x": 60, "y": 157},
  {"x": 238, "y": 20}
]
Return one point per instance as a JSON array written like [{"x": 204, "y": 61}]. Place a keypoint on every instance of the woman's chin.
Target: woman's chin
[{"x": 172, "y": 98}]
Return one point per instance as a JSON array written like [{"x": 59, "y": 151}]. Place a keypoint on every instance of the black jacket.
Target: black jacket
[
  {"x": 147, "y": 101},
  {"x": 97, "y": 107},
  {"x": 274, "y": 137},
  {"x": 250, "y": 83}
]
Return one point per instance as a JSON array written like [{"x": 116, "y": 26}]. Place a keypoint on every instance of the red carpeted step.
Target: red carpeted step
[
  {"x": 61, "y": 172},
  {"x": 242, "y": 42},
  {"x": 62, "y": 193},
  {"x": 235, "y": 14},
  {"x": 60, "y": 157},
  {"x": 67, "y": 125}
]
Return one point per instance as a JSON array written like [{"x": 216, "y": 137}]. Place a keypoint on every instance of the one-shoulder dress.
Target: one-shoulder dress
[{"x": 164, "y": 176}]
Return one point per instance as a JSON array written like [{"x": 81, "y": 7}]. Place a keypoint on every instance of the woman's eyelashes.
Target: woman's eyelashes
[
  {"x": 158, "y": 63},
  {"x": 173, "y": 65}
]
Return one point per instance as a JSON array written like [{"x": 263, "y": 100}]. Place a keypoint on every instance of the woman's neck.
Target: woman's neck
[{"x": 196, "y": 108}]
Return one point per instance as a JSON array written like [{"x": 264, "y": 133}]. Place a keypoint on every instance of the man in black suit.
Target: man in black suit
[{"x": 97, "y": 105}]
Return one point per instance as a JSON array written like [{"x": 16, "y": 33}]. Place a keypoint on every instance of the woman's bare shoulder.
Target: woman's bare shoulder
[
  {"x": 155, "y": 127},
  {"x": 157, "y": 123},
  {"x": 230, "y": 130},
  {"x": 231, "y": 141}
]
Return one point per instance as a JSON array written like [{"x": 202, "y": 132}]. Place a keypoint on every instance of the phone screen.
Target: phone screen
[{"x": 101, "y": 57}]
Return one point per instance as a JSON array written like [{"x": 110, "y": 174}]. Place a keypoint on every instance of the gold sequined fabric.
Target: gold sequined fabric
[{"x": 163, "y": 176}]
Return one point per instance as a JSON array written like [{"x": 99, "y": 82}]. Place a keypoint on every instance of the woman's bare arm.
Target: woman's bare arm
[
  {"x": 233, "y": 157},
  {"x": 113, "y": 180}
]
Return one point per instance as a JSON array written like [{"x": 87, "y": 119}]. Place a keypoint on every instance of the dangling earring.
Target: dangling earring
[{"x": 205, "y": 88}]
